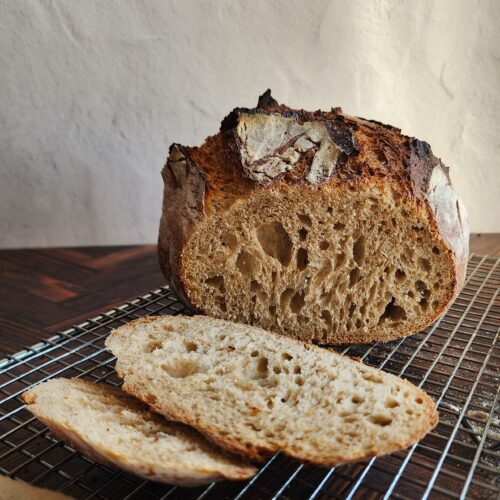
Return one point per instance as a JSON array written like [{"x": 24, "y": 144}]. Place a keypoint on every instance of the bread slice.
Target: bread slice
[
  {"x": 256, "y": 393},
  {"x": 11, "y": 489},
  {"x": 114, "y": 428},
  {"x": 318, "y": 225}
]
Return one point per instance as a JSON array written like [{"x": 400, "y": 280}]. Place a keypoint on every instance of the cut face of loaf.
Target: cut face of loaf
[
  {"x": 318, "y": 225},
  {"x": 256, "y": 393},
  {"x": 114, "y": 428},
  {"x": 326, "y": 266}
]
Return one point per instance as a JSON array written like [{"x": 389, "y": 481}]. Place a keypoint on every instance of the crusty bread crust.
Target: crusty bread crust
[
  {"x": 70, "y": 431},
  {"x": 209, "y": 180},
  {"x": 157, "y": 329}
]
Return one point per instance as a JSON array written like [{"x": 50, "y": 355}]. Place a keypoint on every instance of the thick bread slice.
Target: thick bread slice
[
  {"x": 318, "y": 225},
  {"x": 114, "y": 428},
  {"x": 11, "y": 489},
  {"x": 255, "y": 393}
]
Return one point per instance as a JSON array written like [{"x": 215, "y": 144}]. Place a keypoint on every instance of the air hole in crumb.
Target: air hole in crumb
[
  {"x": 262, "y": 367},
  {"x": 191, "y": 346},
  {"x": 435, "y": 250},
  {"x": 229, "y": 240},
  {"x": 297, "y": 302},
  {"x": 285, "y": 298},
  {"x": 391, "y": 403},
  {"x": 338, "y": 225},
  {"x": 327, "y": 318},
  {"x": 222, "y": 304},
  {"x": 356, "y": 399},
  {"x": 299, "y": 380},
  {"x": 435, "y": 304},
  {"x": 382, "y": 420},
  {"x": 255, "y": 286},
  {"x": 305, "y": 219},
  {"x": 286, "y": 356},
  {"x": 424, "y": 264},
  {"x": 302, "y": 259},
  {"x": 181, "y": 368},
  {"x": 340, "y": 258},
  {"x": 400, "y": 275},
  {"x": 372, "y": 377},
  {"x": 270, "y": 403},
  {"x": 350, "y": 419},
  {"x": 354, "y": 276},
  {"x": 153, "y": 346},
  {"x": 275, "y": 241},
  {"x": 358, "y": 250},
  {"x": 330, "y": 210},
  {"x": 409, "y": 411},
  {"x": 424, "y": 304},
  {"x": 216, "y": 282},
  {"x": 393, "y": 312},
  {"x": 272, "y": 310},
  {"x": 254, "y": 354},
  {"x": 419, "y": 400},
  {"x": 302, "y": 234},
  {"x": 246, "y": 263},
  {"x": 324, "y": 245},
  {"x": 277, "y": 370},
  {"x": 411, "y": 294},
  {"x": 352, "y": 308},
  {"x": 358, "y": 323}
]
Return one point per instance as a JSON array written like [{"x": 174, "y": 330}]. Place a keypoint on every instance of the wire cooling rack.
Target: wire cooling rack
[{"x": 456, "y": 360}]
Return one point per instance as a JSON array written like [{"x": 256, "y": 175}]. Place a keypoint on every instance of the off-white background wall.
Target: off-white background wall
[{"x": 92, "y": 92}]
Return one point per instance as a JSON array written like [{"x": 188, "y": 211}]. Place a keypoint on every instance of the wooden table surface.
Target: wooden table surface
[{"x": 46, "y": 290}]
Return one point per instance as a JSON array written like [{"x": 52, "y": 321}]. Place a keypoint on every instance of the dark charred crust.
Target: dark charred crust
[
  {"x": 421, "y": 162},
  {"x": 368, "y": 148},
  {"x": 343, "y": 136},
  {"x": 388, "y": 127},
  {"x": 266, "y": 101}
]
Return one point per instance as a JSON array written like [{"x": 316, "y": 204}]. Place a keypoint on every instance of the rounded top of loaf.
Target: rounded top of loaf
[{"x": 274, "y": 145}]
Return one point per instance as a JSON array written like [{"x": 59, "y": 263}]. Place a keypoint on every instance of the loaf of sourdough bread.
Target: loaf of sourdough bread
[
  {"x": 115, "y": 429},
  {"x": 256, "y": 393},
  {"x": 318, "y": 225}
]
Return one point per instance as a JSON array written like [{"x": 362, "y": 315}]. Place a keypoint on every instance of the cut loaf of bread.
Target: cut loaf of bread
[
  {"x": 114, "y": 428},
  {"x": 256, "y": 393},
  {"x": 319, "y": 225}
]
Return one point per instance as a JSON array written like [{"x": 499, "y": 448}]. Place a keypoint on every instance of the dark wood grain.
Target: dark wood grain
[{"x": 46, "y": 290}]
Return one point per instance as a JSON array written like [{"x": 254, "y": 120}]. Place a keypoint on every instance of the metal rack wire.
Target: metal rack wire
[{"x": 456, "y": 360}]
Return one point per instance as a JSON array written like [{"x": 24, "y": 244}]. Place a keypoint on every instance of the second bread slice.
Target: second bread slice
[
  {"x": 255, "y": 393},
  {"x": 115, "y": 429}
]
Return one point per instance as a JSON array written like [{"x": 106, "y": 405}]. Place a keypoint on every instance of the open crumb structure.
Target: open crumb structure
[{"x": 456, "y": 360}]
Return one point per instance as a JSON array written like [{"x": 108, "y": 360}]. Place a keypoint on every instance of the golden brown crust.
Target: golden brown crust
[{"x": 225, "y": 170}]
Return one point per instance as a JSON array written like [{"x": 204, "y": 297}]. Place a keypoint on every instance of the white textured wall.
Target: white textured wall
[{"x": 92, "y": 92}]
